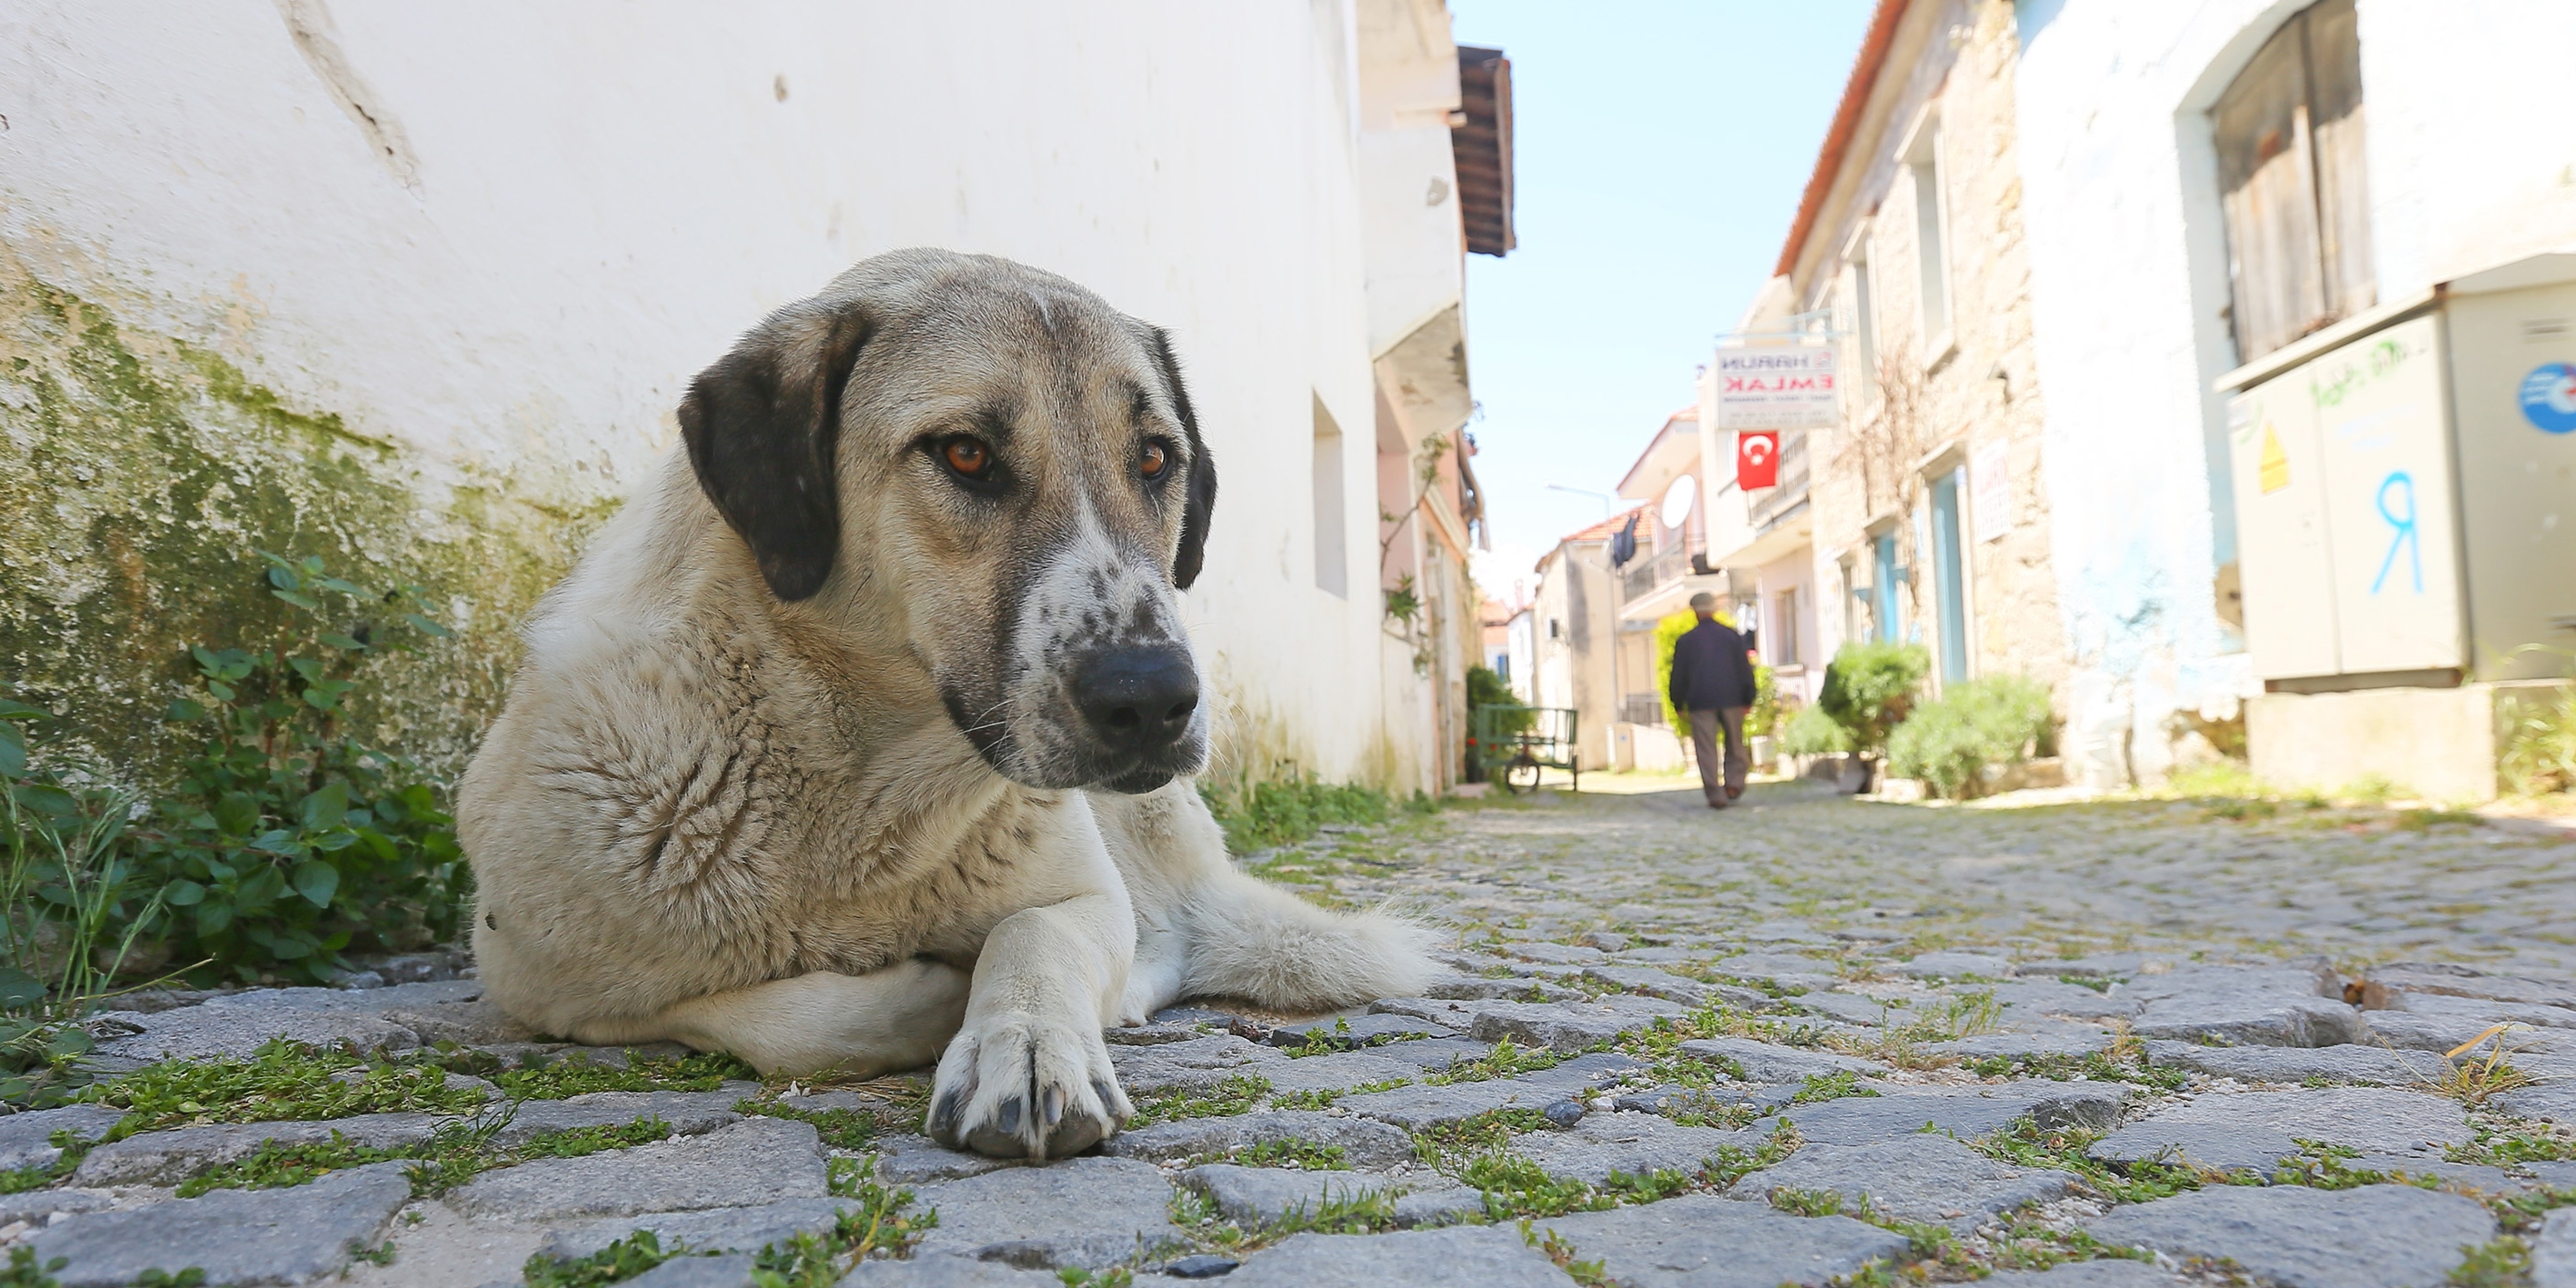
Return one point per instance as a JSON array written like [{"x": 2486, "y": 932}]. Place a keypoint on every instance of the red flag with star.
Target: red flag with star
[{"x": 1757, "y": 458}]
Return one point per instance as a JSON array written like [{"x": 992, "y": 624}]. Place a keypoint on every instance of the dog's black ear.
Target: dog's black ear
[
  {"x": 1199, "y": 502},
  {"x": 763, "y": 426}
]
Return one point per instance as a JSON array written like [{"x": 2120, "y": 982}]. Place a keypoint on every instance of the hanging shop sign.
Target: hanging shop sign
[{"x": 1776, "y": 387}]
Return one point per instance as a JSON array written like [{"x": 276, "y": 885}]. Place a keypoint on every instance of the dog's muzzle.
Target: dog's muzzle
[{"x": 1139, "y": 702}]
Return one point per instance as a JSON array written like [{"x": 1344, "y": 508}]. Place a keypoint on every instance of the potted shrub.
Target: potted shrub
[{"x": 1869, "y": 690}]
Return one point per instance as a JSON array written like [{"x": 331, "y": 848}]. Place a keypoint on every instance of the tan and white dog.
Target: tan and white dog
[{"x": 860, "y": 736}]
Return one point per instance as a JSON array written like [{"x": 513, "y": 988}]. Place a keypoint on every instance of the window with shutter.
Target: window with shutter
[{"x": 2291, "y": 179}]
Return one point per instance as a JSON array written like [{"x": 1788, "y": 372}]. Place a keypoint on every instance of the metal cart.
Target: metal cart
[{"x": 1514, "y": 743}]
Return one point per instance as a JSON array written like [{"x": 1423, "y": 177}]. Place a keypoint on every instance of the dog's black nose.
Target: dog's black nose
[{"x": 1138, "y": 698}]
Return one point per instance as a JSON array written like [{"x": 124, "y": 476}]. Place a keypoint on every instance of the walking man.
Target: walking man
[{"x": 1713, "y": 684}]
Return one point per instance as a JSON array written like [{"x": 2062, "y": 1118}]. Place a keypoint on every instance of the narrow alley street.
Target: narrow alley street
[{"x": 2168, "y": 878}]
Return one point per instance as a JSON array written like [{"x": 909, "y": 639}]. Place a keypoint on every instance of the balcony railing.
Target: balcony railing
[
  {"x": 1773, "y": 504},
  {"x": 1644, "y": 573}
]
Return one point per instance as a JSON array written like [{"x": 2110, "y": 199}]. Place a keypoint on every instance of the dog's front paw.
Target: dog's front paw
[{"x": 1017, "y": 1085}]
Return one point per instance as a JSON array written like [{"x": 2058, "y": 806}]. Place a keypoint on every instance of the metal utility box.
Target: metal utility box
[{"x": 2405, "y": 488}]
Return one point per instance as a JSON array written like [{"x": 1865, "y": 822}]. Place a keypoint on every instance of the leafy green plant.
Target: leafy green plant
[
  {"x": 1869, "y": 690},
  {"x": 1764, "y": 719},
  {"x": 2540, "y": 742},
  {"x": 1261, "y": 816},
  {"x": 1976, "y": 725},
  {"x": 288, "y": 839},
  {"x": 285, "y": 840},
  {"x": 619, "y": 1261},
  {"x": 283, "y": 1081}
]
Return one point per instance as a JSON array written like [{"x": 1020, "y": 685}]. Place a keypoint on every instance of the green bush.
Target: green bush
[
  {"x": 1811, "y": 732},
  {"x": 286, "y": 840},
  {"x": 1977, "y": 724},
  {"x": 1869, "y": 689},
  {"x": 1764, "y": 718}
]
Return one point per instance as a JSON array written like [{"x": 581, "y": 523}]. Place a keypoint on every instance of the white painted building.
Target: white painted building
[
  {"x": 2408, "y": 145},
  {"x": 472, "y": 256}
]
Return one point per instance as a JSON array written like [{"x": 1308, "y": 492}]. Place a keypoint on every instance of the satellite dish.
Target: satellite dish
[{"x": 1678, "y": 500}]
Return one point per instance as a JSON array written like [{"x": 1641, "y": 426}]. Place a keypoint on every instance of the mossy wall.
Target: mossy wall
[{"x": 139, "y": 476}]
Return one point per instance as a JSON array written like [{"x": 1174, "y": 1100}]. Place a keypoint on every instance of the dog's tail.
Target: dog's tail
[{"x": 1252, "y": 940}]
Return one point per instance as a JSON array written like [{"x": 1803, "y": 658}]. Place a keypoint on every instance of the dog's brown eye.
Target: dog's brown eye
[
  {"x": 967, "y": 456},
  {"x": 1151, "y": 463}
]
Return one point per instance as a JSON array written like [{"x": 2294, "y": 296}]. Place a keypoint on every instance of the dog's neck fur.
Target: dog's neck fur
[{"x": 858, "y": 700}]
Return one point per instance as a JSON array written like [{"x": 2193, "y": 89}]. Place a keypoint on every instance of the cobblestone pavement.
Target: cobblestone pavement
[{"x": 1807, "y": 1041}]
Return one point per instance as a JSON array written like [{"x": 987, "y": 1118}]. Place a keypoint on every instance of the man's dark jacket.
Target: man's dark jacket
[{"x": 1710, "y": 670}]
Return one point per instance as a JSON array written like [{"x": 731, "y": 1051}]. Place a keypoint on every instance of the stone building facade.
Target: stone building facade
[{"x": 1922, "y": 516}]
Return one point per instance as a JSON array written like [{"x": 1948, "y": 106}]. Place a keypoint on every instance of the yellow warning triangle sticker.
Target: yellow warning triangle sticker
[{"x": 2276, "y": 463}]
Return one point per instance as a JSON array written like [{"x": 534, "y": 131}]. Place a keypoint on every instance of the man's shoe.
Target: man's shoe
[
  {"x": 1733, "y": 792},
  {"x": 1717, "y": 804}
]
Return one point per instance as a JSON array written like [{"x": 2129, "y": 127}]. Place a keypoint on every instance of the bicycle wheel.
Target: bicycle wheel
[{"x": 1521, "y": 775}]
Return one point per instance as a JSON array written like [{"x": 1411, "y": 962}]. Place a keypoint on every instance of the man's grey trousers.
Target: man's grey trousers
[{"x": 1705, "y": 727}]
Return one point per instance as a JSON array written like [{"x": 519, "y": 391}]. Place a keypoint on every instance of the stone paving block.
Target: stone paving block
[
  {"x": 1357, "y": 1030},
  {"x": 1651, "y": 982},
  {"x": 2109, "y": 1272},
  {"x": 916, "y": 1160},
  {"x": 2463, "y": 981},
  {"x": 1433, "y": 1053},
  {"x": 2553, "y": 1252},
  {"x": 1628, "y": 1143},
  {"x": 169, "y": 1157},
  {"x": 281, "y": 1236},
  {"x": 2245, "y": 1006},
  {"x": 1083, "y": 1213},
  {"x": 934, "y": 1270},
  {"x": 1199, "y": 1064},
  {"x": 2550, "y": 1101},
  {"x": 36, "y": 1207},
  {"x": 1476, "y": 1256},
  {"x": 690, "y": 1113},
  {"x": 2071, "y": 1040},
  {"x": 2556, "y": 1175},
  {"x": 1967, "y": 1112},
  {"x": 753, "y": 1162},
  {"x": 1364, "y": 1142},
  {"x": 1850, "y": 1008},
  {"x": 1670, "y": 1100},
  {"x": 238, "y": 1024},
  {"x": 2378, "y": 1236},
  {"x": 1584, "y": 1073},
  {"x": 2409, "y": 1031},
  {"x": 1704, "y": 1241},
  {"x": 1468, "y": 988},
  {"x": 1555, "y": 954},
  {"x": 1569, "y": 1026},
  {"x": 1771, "y": 965},
  {"x": 1260, "y": 1195},
  {"x": 2073, "y": 1001},
  {"x": 1419, "y": 1108},
  {"x": 2353, "y": 1062},
  {"x": 1771, "y": 1062},
  {"x": 1954, "y": 965},
  {"x": 2484, "y": 1010},
  {"x": 2464, "y": 1177},
  {"x": 1440, "y": 1205},
  {"x": 1786, "y": 932},
  {"x": 2255, "y": 1129},
  {"x": 2098, "y": 965},
  {"x": 1340, "y": 1071},
  {"x": 730, "y": 1271},
  {"x": 26, "y": 1140},
  {"x": 724, "y": 1229},
  {"x": 1151, "y": 1034},
  {"x": 1930, "y": 1180}
]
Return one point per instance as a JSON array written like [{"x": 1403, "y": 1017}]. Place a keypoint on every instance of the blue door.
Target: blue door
[
  {"x": 1951, "y": 587},
  {"x": 1883, "y": 552}
]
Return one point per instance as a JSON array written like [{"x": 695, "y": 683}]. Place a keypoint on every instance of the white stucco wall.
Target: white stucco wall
[
  {"x": 2472, "y": 161},
  {"x": 566, "y": 210}
]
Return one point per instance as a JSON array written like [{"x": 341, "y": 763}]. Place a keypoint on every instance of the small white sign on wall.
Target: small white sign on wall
[{"x": 1990, "y": 498}]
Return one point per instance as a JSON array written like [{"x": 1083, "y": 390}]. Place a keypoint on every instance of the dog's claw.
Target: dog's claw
[
  {"x": 1011, "y": 1116},
  {"x": 1051, "y": 1107}
]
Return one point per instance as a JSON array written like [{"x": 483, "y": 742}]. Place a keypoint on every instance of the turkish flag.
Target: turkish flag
[{"x": 1757, "y": 458}]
